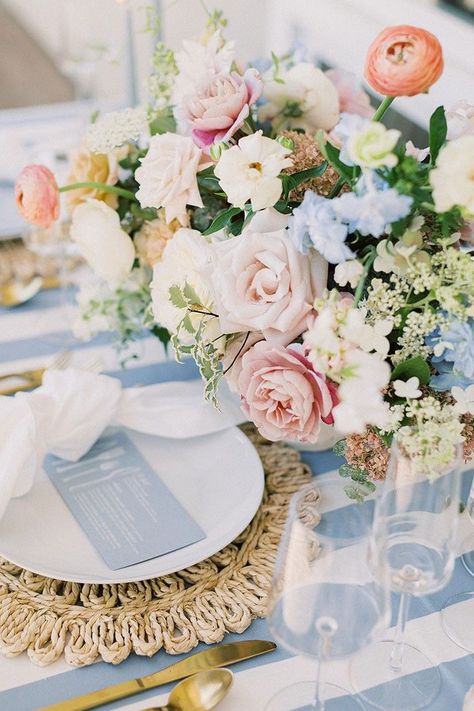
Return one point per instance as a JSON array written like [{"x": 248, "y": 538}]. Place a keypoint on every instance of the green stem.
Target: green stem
[
  {"x": 99, "y": 186},
  {"x": 363, "y": 277},
  {"x": 387, "y": 100}
]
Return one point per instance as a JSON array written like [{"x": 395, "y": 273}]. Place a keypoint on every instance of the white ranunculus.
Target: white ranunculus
[
  {"x": 453, "y": 178},
  {"x": 348, "y": 272},
  {"x": 249, "y": 171},
  {"x": 372, "y": 147},
  {"x": 184, "y": 261},
  {"x": 167, "y": 175},
  {"x": 304, "y": 98},
  {"x": 107, "y": 248}
]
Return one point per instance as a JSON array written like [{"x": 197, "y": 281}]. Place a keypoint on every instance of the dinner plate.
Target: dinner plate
[{"x": 218, "y": 479}]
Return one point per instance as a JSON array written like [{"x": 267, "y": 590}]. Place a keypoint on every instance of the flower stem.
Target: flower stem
[
  {"x": 387, "y": 100},
  {"x": 99, "y": 186},
  {"x": 363, "y": 277},
  {"x": 337, "y": 187}
]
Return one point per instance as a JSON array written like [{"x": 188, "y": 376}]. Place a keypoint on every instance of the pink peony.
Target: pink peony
[
  {"x": 352, "y": 98},
  {"x": 37, "y": 195},
  {"x": 403, "y": 61},
  {"x": 283, "y": 395},
  {"x": 217, "y": 110}
]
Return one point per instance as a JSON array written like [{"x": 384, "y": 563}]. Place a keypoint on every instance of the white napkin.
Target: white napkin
[{"x": 69, "y": 412}]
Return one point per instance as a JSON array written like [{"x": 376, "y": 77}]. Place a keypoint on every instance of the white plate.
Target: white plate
[{"x": 217, "y": 478}]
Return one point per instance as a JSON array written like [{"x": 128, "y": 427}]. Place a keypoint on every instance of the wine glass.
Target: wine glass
[
  {"x": 459, "y": 608},
  {"x": 324, "y": 603},
  {"x": 413, "y": 546}
]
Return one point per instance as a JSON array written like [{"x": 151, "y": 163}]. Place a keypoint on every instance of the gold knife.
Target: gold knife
[{"x": 212, "y": 658}]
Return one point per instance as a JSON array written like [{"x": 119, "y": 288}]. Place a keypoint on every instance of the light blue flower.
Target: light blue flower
[
  {"x": 371, "y": 213},
  {"x": 454, "y": 359},
  {"x": 315, "y": 224},
  {"x": 347, "y": 126}
]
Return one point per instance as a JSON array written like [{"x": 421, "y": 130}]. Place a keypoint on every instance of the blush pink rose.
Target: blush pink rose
[
  {"x": 262, "y": 283},
  {"x": 37, "y": 195},
  {"x": 403, "y": 61},
  {"x": 220, "y": 108},
  {"x": 352, "y": 98},
  {"x": 283, "y": 395}
]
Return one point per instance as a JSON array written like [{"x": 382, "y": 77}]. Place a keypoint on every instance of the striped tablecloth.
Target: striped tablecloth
[{"x": 29, "y": 338}]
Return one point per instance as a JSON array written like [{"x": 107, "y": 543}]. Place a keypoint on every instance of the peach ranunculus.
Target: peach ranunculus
[
  {"x": 283, "y": 395},
  {"x": 92, "y": 167},
  {"x": 152, "y": 238},
  {"x": 262, "y": 283},
  {"x": 218, "y": 109},
  {"x": 37, "y": 195},
  {"x": 168, "y": 175},
  {"x": 352, "y": 98},
  {"x": 403, "y": 61}
]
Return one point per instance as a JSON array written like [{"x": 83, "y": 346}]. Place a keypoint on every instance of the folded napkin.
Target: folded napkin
[{"x": 69, "y": 412}]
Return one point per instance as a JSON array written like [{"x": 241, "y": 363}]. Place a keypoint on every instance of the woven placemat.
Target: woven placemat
[{"x": 48, "y": 618}]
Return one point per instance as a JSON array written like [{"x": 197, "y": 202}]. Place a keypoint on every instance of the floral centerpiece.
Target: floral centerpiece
[{"x": 269, "y": 224}]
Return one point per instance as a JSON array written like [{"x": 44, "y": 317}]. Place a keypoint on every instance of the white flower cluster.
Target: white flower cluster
[
  {"x": 351, "y": 352},
  {"x": 431, "y": 443},
  {"x": 116, "y": 128}
]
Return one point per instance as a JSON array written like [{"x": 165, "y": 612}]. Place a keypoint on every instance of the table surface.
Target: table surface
[{"x": 30, "y": 336}]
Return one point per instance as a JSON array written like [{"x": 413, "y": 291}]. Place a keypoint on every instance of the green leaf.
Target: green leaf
[
  {"x": 190, "y": 294},
  {"x": 162, "y": 334},
  {"x": 438, "y": 132},
  {"x": 290, "y": 182},
  {"x": 222, "y": 220},
  {"x": 412, "y": 367},
  {"x": 358, "y": 492},
  {"x": 177, "y": 297},
  {"x": 340, "y": 448},
  {"x": 163, "y": 123},
  {"x": 331, "y": 154}
]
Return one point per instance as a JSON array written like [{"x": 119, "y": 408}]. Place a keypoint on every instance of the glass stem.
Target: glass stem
[
  {"x": 319, "y": 703},
  {"x": 396, "y": 656}
]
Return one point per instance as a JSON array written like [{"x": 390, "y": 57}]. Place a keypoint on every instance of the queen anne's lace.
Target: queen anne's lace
[{"x": 116, "y": 128}]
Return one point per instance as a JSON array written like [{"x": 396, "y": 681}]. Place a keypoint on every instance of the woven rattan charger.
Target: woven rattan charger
[{"x": 48, "y": 618}]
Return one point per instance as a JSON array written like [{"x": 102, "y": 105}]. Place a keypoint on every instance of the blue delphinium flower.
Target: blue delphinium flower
[
  {"x": 453, "y": 346},
  {"x": 372, "y": 212},
  {"x": 315, "y": 224}
]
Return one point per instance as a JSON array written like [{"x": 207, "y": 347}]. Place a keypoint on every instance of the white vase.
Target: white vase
[{"x": 328, "y": 436}]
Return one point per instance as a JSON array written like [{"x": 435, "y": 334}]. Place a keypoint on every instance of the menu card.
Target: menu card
[{"x": 127, "y": 512}]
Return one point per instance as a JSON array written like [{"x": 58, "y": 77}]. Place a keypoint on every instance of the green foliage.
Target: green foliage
[
  {"x": 222, "y": 220},
  {"x": 290, "y": 182},
  {"x": 362, "y": 486},
  {"x": 163, "y": 122},
  {"x": 340, "y": 448},
  {"x": 412, "y": 367},
  {"x": 331, "y": 154},
  {"x": 162, "y": 334},
  {"x": 438, "y": 132},
  {"x": 193, "y": 324}
]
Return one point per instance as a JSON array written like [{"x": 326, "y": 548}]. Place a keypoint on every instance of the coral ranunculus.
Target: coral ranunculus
[
  {"x": 403, "y": 61},
  {"x": 37, "y": 196}
]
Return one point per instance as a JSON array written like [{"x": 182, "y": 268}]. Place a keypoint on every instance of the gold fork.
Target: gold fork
[{"x": 34, "y": 377}]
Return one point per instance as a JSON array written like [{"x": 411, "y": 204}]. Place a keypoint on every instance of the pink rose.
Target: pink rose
[
  {"x": 460, "y": 119},
  {"x": 262, "y": 283},
  {"x": 283, "y": 395},
  {"x": 37, "y": 195},
  {"x": 403, "y": 61},
  {"x": 352, "y": 98},
  {"x": 217, "y": 110}
]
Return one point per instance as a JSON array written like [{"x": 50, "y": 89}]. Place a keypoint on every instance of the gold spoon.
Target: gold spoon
[
  {"x": 16, "y": 292},
  {"x": 201, "y": 692}
]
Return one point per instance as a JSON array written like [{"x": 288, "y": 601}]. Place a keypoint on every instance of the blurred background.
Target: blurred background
[{"x": 64, "y": 59}]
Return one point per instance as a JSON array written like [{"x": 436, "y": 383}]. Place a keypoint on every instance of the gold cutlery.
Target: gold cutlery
[
  {"x": 201, "y": 692},
  {"x": 212, "y": 658},
  {"x": 33, "y": 378}
]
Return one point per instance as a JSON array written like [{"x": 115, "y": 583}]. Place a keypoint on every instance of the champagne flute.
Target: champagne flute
[
  {"x": 413, "y": 547},
  {"x": 460, "y": 608},
  {"x": 324, "y": 603}
]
